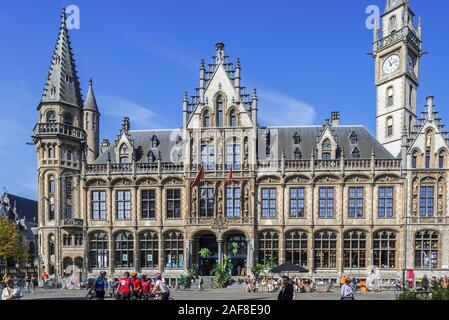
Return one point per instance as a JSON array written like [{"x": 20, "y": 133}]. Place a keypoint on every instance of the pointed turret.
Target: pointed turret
[
  {"x": 62, "y": 85},
  {"x": 392, "y": 4},
  {"x": 91, "y": 102},
  {"x": 91, "y": 117}
]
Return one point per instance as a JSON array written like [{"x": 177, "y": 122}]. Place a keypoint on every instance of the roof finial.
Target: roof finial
[
  {"x": 63, "y": 16},
  {"x": 91, "y": 82}
]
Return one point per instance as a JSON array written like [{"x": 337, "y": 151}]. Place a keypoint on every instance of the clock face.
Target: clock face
[
  {"x": 410, "y": 64},
  {"x": 391, "y": 64}
]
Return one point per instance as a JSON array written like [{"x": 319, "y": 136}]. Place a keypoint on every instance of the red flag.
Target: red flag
[
  {"x": 199, "y": 177},
  {"x": 229, "y": 176}
]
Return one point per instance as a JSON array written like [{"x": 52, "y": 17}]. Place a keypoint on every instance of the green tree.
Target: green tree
[
  {"x": 222, "y": 272},
  {"x": 12, "y": 247},
  {"x": 257, "y": 269},
  {"x": 271, "y": 263}
]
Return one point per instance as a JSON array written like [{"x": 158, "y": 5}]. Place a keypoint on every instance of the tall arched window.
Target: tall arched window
[
  {"x": 389, "y": 128},
  {"x": 51, "y": 244},
  {"x": 99, "y": 250},
  {"x": 326, "y": 150},
  {"x": 124, "y": 153},
  {"x": 174, "y": 250},
  {"x": 124, "y": 250},
  {"x": 296, "y": 248},
  {"x": 149, "y": 250},
  {"x": 51, "y": 116},
  {"x": 219, "y": 111},
  {"x": 325, "y": 252},
  {"x": 414, "y": 159},
  {"x": 268, "y": 247},
  {"x": 384, "y": 249},
  {"x": 390, "y": 97},
  {"x": 393, "y": 23},
  {"x": 426, "y": 250},
  {"x": 206, "y": 119},
  {"x": 354, "y": 249},
  {"x": 233, "y": 119},
  {"x": 441, "y": 159}
]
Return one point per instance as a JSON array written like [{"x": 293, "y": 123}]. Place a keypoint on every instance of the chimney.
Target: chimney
[
  {"x": 104, "y": 145},
  {"x": 125, "y": 124},
  {"x": 335, "y": 119}
]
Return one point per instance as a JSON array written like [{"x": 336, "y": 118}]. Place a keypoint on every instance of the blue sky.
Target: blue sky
[{"x": 306, "y": 58}]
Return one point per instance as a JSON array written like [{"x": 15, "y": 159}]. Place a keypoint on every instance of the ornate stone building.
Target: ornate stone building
[{"x": 331, "y": 198}]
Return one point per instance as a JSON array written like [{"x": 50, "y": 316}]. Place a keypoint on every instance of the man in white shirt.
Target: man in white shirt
[
  {"x": 162, "y": 287},
  {"x": 11, "y": 292}
]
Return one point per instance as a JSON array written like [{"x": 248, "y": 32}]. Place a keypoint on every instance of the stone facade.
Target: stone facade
[{"x": 331, "y": 198}]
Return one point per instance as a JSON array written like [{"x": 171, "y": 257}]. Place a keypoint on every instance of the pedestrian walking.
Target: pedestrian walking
[
  {"x": 286, "y": 292},
  {"x": 346, "y": 291},
  {"x": 200, "y": 283}
]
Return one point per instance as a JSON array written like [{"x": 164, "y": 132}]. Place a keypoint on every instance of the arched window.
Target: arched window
[
  {"x": 268, "y": 247},
  {"x": 151, "y": 157},
  {"x": 393, "y": 23},
  {"x": 441, "y": 158},
  {"x": 354, "y": 249},
  {"x": 68, "y": 119},
  {"x": 426, "y": 250},
  {"x": 51, "y": 244},
  {"x": 414, "y": 159},
  {"x": 389, "y": 128},
  {"x": 206, "y": 119},
  {"x": 51, "y": 185},
  {"x": 149, "y": 250},
  {"x": 174, "y": 250},
  {"x": 99, "y": 250},
  {"x": 390, "y": 97},
  {"x": 325, "y": 252},
  {"x": 51, "y": 153},
  {"x": 296, "y": 248},
  {"x": 219, "y": 110},
  {"x": 51, "y": 116},
  {"x": 326, "y": 150},
  {"x": 355, "y": 154},
  {"x": 124, "y": 250},
  {"x": 124, "y": 153},
  {"x": 233, "y": 119},
  {"x": 384, "y": 249}
]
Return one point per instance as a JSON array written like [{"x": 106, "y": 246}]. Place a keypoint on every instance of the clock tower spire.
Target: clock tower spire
[{"x": 397, "y": 50}]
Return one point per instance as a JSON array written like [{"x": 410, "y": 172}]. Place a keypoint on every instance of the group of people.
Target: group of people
[
  {"x": 131, "y": 287},
  {"x": 425, "y": 284}
]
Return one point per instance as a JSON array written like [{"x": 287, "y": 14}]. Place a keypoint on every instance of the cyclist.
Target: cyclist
[
  {"x": 137, "y": 285},
  {"x": 161, "y": 287},
  {"x": 146, "y": 287},
  {"x": 125, "y": 287},
  {"x": 99, "y": 286}
]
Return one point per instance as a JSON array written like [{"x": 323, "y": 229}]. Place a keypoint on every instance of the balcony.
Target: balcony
[
  {"x": 72, "y": 223},
  {"x": 133, "y": 168},
  {"x": 58, "y": 129}
]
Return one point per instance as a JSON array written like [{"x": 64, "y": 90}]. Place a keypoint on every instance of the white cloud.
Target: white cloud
[
  {"x": 277, "y": 109},
  {"x": 141, "y": 117}
]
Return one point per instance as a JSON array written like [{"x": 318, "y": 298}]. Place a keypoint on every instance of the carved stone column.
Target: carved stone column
[{"x": 220, "y": 250}]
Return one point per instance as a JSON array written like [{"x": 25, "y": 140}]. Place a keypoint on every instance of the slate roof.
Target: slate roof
[
  {"x": 282, "y": 140},
  {"x": 62, "y": 84},
  {"x": 25, "y": 208},
  {"x": 169, "y": 146},
  {"x": 91, "y": 102}
]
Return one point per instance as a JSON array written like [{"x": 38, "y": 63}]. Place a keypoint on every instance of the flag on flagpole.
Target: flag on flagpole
[
  {"x": 199, "y": 177},
  {"x": 229, "y": 176}
]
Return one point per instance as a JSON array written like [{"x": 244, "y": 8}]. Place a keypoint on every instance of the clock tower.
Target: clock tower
[{"x": 397, "y": 50}]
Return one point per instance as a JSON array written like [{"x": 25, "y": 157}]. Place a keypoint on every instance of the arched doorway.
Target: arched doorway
[
  {"x": 206, "y": 242},
  {"x": 236, "y": 249},
  {"x": 67, "y": 265}
]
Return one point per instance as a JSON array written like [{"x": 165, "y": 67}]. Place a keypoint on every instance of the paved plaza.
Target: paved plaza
[{"x": 233, "y": 293}]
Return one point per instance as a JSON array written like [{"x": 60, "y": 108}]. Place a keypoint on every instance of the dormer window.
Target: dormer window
[
  {"x": 296, "y": 138},
  {"x": 51, "y": 117},
  {"x": 355, "y": 153},
  {"x": 297, "y": 154},
  {"x": 219, "y": 111},
  {"x": 353, "y": 138},
  {"x": 154, "y": 142},
  {"x": 326, "y": 150},
  {"x": 151, "y": 157},
  {"x": 206, "y": 119},
  {"x": 124, "y": 154}
]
